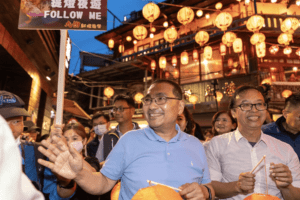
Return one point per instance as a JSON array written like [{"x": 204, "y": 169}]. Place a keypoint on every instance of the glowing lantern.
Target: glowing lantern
[
  {"x": 170, "y": 35},
  {"x": 257, "y": 38},
  {"x": 295, "y": 69},
  {"x": 109, "y": 92},
  {"x": 247, "y": 2},
  {"x": 151, "y": 12},
  {"x": 298, "y": 2},
  {"x": 274, "y": 49},
  {"x": 260, "y": 49},
  {"x": 255, "y": 23},
  {"x": 237, "y": 45},
  {"x": 121, "y": 48},
  {"x": 128, "y": 38},
  {"x": 223, "y": 20},
  {"x": 185, "y": 15},
  {"x": 219, "y": 6},
  {"x": 176, "y": 73},
  {"x": 195, "y": 55},
  {"x": 140, "y": 32},
  {"x": 199, "y": 13},
  {"x": 167, "y": 74},
  {"x": 222, "y": 49},
  {"x": 230, "y": 62},
  {"x": 193, "y": 99},
  {"x": 111, "y": 43},
  {"x": 134, "y": 42},
  {"x": 156, "y": 192},
  {"x": 202, "y": 37},
  {"x": 151, "y": 35},
  {"x": 207, "y": 16},
  {"x": 298, "y": 52},
  {"x": 114, "y": 195},
  {"x": 184, "y": 58},
  {"x": 165, "y": 24},
  {"x": 219, "y": 96},
  {"x": 285, "y": 38},
  {"x": 267, "y": 81},
  {"x": 289, "y": 25},
  {"x": 174, "y": 60},
  {"x": 228, "y": 38},
  {"x": 207, "y": 54},
  {"x": 286, "y": 93},
  {"x": 287, "y": 50},
  {"x": 162, "y": 62},
  {"x": 153, "y": 65},
  {"x": 152, "y": 30},
  {"x": 138, "y": 98}
]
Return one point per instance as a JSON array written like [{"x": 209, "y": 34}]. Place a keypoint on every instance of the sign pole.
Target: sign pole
[{"x": 61, "y": 77}]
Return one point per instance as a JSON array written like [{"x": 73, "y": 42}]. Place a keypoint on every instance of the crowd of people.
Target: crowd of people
[{"x": 223, "y": 162}]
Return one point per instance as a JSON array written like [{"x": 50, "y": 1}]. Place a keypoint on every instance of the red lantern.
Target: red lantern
[
  {"x": 195, "y": 55},
  {"x": 162, "y": 62}
]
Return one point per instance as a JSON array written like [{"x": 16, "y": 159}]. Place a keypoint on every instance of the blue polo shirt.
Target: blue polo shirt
[{"x": 142, "y": 155}]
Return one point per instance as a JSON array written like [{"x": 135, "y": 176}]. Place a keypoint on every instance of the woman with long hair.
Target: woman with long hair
[{"x": 223, "y": 122}]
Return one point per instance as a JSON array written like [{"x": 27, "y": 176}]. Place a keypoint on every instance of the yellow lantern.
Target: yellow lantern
[
  {"x": 185, "y": 15},
  {"x": 140, "y": 32},
  {"x": 219, "y": 6},
  {"x": 257, "y": 38},
  {"x": 138, "y": 97},
  {"x": 114, "y": 195},
  {"x": 255, "y": 23},
  {"x": 199, "y": 13},
  {"x": 207, "y": 52},
  {"x": 152, "y": 29},
  {"x": 134, "y": 42},
  {"x": 162, "y": 62},
  {"x": 298, "y": 52},
  {"x": 223, "y": 20},
  {"x": 287, "y": 50},
  {"x": 289, "y": 25},
  {"x": 111, "y": 43},
  {"x": 219, "y": 96},
  {"x": 128, "y": 38},
  {"x": 193, "y": 99},
  {"x": 153, "y": 65},
  {"x": 170, "y": 35},
  {"x": 228, "y": 38},
  {"x": 121, "y": 48},
  {"x": 274, "y": 49},
  {"x": 195, "y": 55},
  {"x": 202, "y": 37},
  {"x": 151, "y": 12},
  {"x": 207, "y": 16},
  {"x": 109, "y": 92},
  {"x": 184, "y": 58},
  {"x": 260, "y": 49},
  {"x": 237, "y": 45},
  {"x": 176, "y": 73},
  {"x": 174, "y": 60},
  {"x": 286, "y": 93},
  {"x": 285, "y": 38},
  {"x": 166, "y": 24},
  {"x": 222, "y": 49},
  {"x": 167, "y": 74}
]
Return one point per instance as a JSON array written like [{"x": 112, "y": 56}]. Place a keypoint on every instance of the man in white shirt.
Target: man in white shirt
[{"x": 232, "y": 156}]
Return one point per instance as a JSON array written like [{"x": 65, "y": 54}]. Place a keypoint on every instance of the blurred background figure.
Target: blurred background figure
[
  {"x": 223, "y": 122},
  {"x": 186, "y": 122},
  {"x": 31, "y": 131},
  {"x": 208, "y": 135}
]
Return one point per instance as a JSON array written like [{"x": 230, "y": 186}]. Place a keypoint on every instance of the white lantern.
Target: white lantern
[
  {"x": 255, "y": 23},
  {"x": 261, "y": 49},
  {"x": 228, "y": 38},
  {"x": 285, "y": 38},
  {"x": 289, "y": 25},
  {"x": 237, "y": 45},
  {"x": 257, "y": 38},
  {"x": 207, "y": 54},
  {"x": 202, "y": 37},
  {"x": 223, "y": 20}
]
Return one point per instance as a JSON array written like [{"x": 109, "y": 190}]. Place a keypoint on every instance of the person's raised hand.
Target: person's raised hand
[
  {"x": 282, "y": 175},
  {"x": 246, "y": 183},
  {"x": 64, "y": 160},
  {"x": 192, "y": 191}
]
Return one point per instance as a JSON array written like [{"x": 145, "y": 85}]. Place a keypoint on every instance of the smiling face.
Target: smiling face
[
  {"x": 162, "y": 117},
  {"x": 292, "y": 116},
  {"x": 252, "y": 119},
  {"x": 223, "y": 124}
]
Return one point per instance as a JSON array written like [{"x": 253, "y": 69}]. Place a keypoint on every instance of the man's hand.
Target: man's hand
[
  {"x": 192, "y": 191},
  {"x": 282, "y": 175},
  {"x": 65, "y": 161},
  {"x": 246, "y": 182}
]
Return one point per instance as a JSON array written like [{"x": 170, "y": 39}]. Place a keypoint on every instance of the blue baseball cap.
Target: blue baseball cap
[{"x": 11, "y": 105}]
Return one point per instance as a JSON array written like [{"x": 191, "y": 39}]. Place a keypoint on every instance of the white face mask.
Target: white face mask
[
  {"x": 77, "y": 145},
  {"x": 100, "y": 129}
]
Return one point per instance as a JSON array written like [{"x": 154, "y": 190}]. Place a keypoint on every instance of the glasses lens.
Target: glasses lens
[
  {"x": 261, "y": 106},
  {"x": 246, "y": 106},
  {"x": 146, "y": 101},
  {"x": 161, "y": 100}
]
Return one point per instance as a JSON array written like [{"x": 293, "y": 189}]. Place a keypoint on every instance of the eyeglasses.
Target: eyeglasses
[
  {"x": 120, "y": 109},
  {"x": 248, "y": 106},
  {"x": 158, "y": 100}
]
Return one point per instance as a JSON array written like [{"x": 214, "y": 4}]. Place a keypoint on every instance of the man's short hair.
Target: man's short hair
[
  {"x": 176, "y": 88},
  {"x": 100, "y": 114},
  {"x": 240, "y": 90},
  {"x": 292, "y": 101},
  {"x": 128, "y": 99}
]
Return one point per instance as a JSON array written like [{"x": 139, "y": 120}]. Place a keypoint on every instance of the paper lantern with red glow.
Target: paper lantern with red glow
[
  {"x": 185, "y": 15},
  {"x": 167, "y": 74},
  {"x": 151, "y": 12},
  {"x": 289, "y": 25},
  {"x": 260, "y": 49},
  {"x": 111, "y": 43},
  {"x": 140, "y": 32},
  {"x": 156, "y": 192},
  {"x": 259, "y": 196},
  {"x": 176, "y": 73},
  {"x": 274, "y": 49},
  {"x": 184, "y": 58},
  {"x": 153, "y": 65},
  {"x": 237, "y": 45},
  {"x": 174, "y": 60},
  {"x": 222, "y": 49},
  {"x": 162, "y": 62},
  {"x": 219, "y": 96},
  {"x": 257, "y": 38},
  {"x": 121, "y": 48},
  {"x": 170, "y": 35},
  {"x": 287, "y": 50},
  {"x": 285, "y": 38},
  {"x": 138, "y": 98},
  {"x": 228, "y": 38},
  {"x": 115, "y": 192},
  {"x": 109, "y": 92},
  {"x": 286, "y": 93},
  {"x": 193, "y": 99},
  {"x": 202, "y": 37},
  {"x": 195, "y": 55},
  {"x": 297, "y": 52},
  {"x": 255, "y": 23},
  {"x": 223, "y": 20},
  {"x": 207, "y": 54}
]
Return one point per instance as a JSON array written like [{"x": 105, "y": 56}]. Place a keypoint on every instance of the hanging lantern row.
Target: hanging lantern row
[
  {"x": 223, "y": 20},
  {"x": 151, "y": 12},
  {"x": 257, "y": 38},
  {"x": 255, "y": 23},
  {"x": 202, "y": 37},
  {"x": 170, "y": 35}
]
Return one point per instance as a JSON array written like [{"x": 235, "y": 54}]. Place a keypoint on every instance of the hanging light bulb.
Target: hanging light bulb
[
  {"x": 166, "y": 24},
  {"x": 207, "y": 16},
  {"x": 219, "y": 6},
  {"x": 134, "y": 41},
  {"x": 287, "y": 50},
  {"x": 174, "y": 60},
  {"x": 151, "y": 35},
  {"x": 199, "y": 13},
  {"x": 128, "y": 38}
]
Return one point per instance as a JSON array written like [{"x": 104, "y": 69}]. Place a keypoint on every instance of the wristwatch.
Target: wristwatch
[
  {"x": 69, "y": 186},
  {"x": 209, "y": 192}
]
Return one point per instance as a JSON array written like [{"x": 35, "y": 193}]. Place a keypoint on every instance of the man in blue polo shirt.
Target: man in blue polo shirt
[{"x": 161, "y": 153}]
